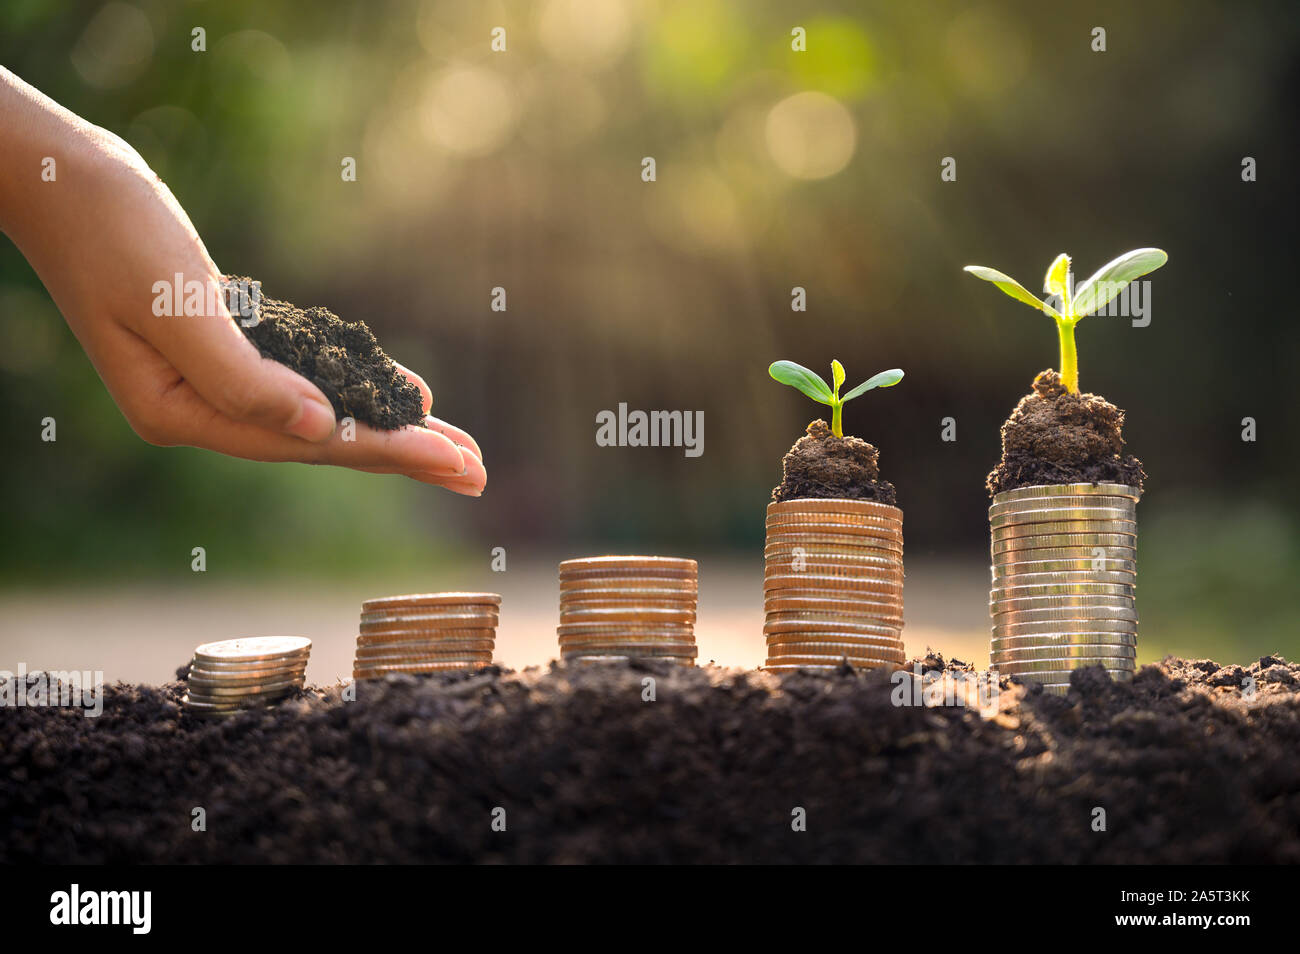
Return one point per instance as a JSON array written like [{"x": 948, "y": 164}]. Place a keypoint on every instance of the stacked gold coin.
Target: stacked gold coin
[
  {"x": 1064, "y": 581},
  {"x": 426, "y": 632},
  {"x": 833, "y": 585},
  {"x": 238, "y": 674},
  {"x": 621, "y": 607}
]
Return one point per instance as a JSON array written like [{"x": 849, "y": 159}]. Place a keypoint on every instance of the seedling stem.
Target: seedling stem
[{"x": 1069, "y": 354}]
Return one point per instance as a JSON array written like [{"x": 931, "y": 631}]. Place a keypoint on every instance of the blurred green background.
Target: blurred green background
[{"x": 776, "y": 169}]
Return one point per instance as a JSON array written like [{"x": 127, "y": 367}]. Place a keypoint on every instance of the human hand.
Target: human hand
[{"x": 101, "y": 235}]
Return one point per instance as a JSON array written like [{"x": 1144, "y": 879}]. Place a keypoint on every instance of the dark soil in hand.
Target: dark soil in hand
[
  {"x": 1188, "y": 767},
  {"x": 342, "y": 358},
  {"x": 823, "y": 465},
  {"x": 1055, "y": 437}
]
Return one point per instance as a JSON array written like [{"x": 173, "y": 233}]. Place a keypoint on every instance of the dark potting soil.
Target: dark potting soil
[
  {"x": 1055, "y": 437},
  {"x": 823, "y": 465},
  {"x": 342, "y": 358},
  {"x": 1189, "y": 767}
]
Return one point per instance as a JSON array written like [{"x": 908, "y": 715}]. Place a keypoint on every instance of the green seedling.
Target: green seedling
[
  {"x": 1076, "y": 303},
  {"x": 812, "y": 384}
]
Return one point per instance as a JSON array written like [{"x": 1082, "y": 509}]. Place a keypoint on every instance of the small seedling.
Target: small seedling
[
  {"x": 1095, "y": 293},
  {"x": 812, "y": 384}
]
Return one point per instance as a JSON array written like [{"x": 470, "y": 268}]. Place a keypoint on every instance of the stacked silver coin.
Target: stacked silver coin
[
  {"x": 1064, "y": 581},
  {"x": 238, "y": 674},
  {"x": 833, "y": 585},
  {"x": 622, "y": 607}
]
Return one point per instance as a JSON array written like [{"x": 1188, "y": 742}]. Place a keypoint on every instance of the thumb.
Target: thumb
[{"x": 226, "y": 370}]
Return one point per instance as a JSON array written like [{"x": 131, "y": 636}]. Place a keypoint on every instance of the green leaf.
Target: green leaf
[
  {"x": 1113, "y": 277},
  {"x": 885, "y": 379},
  {"x": 1057, "y": 280},
  {"x": 1011, "y": 287},
  {"x": 797, "y": 376},
  {"x": 837, "y": 375}
]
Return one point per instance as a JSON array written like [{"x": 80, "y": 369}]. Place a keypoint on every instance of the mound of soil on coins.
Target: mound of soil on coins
[
  {"x": 342, "y": 358},
  {"x": 1194, "y": 762},
  {"x": 823, "y": 465},
  {"x": 1055, "y": 437}
]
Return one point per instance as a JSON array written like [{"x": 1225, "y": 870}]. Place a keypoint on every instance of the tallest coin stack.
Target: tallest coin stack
[{"x": 1064, "y": 581}]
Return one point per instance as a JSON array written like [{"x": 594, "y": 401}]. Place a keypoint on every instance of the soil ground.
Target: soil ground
[
  {"x": 1187, "y": 766},
  {"x": 823, "y": 465},
  {"x": 1054, "y": 437},
  {"x": 342, "y": 358}
]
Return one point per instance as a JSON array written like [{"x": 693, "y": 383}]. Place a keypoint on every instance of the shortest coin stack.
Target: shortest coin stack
[
  {"x": 238, "y": 674},
  {"x": 426, "y": 632},
  {"x": 621, "y": 607}
]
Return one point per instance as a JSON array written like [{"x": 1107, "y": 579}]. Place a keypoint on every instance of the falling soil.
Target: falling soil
[
  {"x": 1189, "y": 767},
  {"x": 1055, "y": 437},
  {"x": 823, "y": 465},
  {"x": 342, "y": 358}
]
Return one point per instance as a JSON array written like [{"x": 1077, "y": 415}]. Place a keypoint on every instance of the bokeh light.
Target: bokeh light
[
  {"x": 587, "y": 34},
  {"x": 116, "y": 46},
  {"x": 470, "y": 110},
  {"x": 810, "y": 135}
]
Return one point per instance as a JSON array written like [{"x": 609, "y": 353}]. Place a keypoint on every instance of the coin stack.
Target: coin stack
[
  {"x": 238, "y": 674},
  {"x": 833, "y": 585},
  {"x": 426, "y": 632},
  {"x": 1064, "y": 576},
  {"x": 621, "y": 607}
]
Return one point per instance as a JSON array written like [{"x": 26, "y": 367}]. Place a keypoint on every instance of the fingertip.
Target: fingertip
[
  {"x": 314, "y": 421},
  {"x": 462, "y": 437},
  {"x": 447, "y": 454},
  {"x": 466, "y": 488},
  {"x": 474, "y": 469}
]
